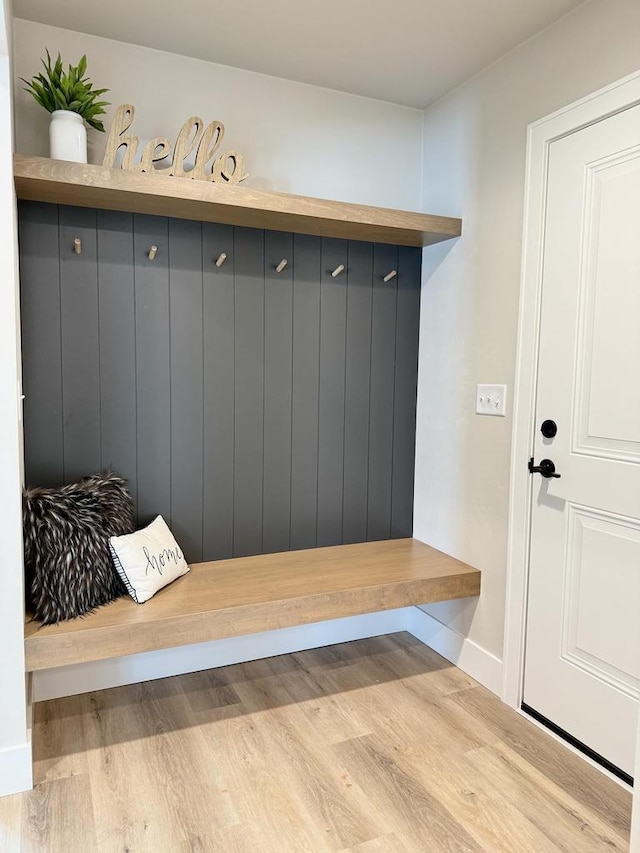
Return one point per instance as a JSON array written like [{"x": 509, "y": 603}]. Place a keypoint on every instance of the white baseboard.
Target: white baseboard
[
  {"x": 464, "y": 653},
  {"x": 16, "y": 773},
  {"x": 114, "y": 672}
]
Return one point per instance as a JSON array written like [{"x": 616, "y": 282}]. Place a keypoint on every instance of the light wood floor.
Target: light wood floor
[{"x": 377, "y": 746}]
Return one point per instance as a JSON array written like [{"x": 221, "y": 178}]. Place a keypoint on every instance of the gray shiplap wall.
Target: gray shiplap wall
[{"x": 256, "y": 411}]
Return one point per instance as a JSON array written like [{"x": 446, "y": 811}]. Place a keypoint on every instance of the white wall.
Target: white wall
[
  {"x": 15, "y": 753},
  {"x": 474, "y": 166},
  {"x": 295, "y": 138}
]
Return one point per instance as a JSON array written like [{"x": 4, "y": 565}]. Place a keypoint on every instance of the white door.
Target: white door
[{"x": 582, "y": 663}]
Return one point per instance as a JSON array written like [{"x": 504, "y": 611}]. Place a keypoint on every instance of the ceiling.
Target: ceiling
[{"x": 408, "y": 52}]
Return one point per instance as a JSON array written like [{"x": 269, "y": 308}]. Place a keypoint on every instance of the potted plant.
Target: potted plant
[{"x": 71, "y": 99}]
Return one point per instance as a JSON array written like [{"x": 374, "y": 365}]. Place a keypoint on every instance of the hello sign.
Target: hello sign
[{"x": 228, "y": 167}]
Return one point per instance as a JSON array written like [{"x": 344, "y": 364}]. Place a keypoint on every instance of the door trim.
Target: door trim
[{"x": 605, "y": 102}]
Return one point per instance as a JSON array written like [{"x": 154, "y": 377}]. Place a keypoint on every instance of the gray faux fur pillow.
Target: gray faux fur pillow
[{"x": 68, "y": 565}]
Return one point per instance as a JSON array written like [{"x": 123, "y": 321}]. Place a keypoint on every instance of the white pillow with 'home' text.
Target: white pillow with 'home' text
[{"x": 148, "y": 559}]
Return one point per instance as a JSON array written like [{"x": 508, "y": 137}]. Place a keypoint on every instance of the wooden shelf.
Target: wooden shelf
[
  {"x": 62, "y": 182},
  {"x": 247, "y": 595}
]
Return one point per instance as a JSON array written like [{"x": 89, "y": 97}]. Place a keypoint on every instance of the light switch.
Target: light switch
[{"x": 491, "y": 400}]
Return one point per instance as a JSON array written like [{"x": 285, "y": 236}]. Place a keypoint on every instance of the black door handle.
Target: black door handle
[{"x": 546, "y": 468}]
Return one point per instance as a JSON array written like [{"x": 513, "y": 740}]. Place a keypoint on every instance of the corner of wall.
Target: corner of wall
[
  {"x": 471, "y": 658},
  {"x": 6, "y": 22},
  {"x": 422, "y": 158},
  {"x": 15, "y": 750}
]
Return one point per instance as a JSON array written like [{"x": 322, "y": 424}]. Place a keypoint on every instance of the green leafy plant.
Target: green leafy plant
[{"x": 61, "y": 90}]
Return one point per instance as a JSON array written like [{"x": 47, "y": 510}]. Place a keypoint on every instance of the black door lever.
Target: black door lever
[{"x": 546, "y": 468}]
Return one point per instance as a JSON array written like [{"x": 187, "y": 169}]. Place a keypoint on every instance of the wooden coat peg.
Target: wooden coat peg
[
  {"x": 337, "y": 271},
  {"x": 222, "y": 257},
  {"x": 77, "y": 245},
  {"x": 282, "y": 265},
  {"x": 390, "y": 275},
  {"x": 153, "y": 251}
]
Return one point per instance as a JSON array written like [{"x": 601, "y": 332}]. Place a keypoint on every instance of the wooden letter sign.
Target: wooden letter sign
[{"x": 227, "y": 168}]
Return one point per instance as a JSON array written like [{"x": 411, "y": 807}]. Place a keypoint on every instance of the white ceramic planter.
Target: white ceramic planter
[{"x": 67, "y": 137}]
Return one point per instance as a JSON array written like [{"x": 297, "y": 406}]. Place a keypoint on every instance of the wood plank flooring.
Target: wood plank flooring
[{"x": 375, "y": 746}]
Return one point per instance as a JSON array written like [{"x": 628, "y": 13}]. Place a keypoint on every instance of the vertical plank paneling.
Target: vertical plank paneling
[
  {"x": 80, "y": 343},
  {"x": 333, "y": 312},
  {"x": 219, "y": 393},
  {"x": 306, "y": 367},
  {"x": 249, "y": 391},
  {"x": 117, "y": 345},
  {"x": 278, "y": 342},
  {"x": 406, "y": 384},
  {"x": 383, "y": 339},
  {"x": 153, "y": 368},
  {"x": 41, "y": 343},
  {"x": 257, "y": 411},
  {"x": 185, "y": 309},
  {"x": 358, "y": 377}
]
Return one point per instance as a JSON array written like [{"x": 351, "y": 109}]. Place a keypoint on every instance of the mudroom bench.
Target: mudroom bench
[
  {"x": 174, "y": 290},
  {"x": 246, "y": 595}
]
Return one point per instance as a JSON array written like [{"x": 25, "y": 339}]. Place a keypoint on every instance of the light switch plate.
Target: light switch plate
[{"x": 491, "y": 400}]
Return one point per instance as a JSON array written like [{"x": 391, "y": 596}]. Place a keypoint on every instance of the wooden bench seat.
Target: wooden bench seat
[{"x": 247, "y": 595}]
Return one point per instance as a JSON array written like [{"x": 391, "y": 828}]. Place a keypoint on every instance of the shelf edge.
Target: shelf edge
[{"x": 85, "y": 185}]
